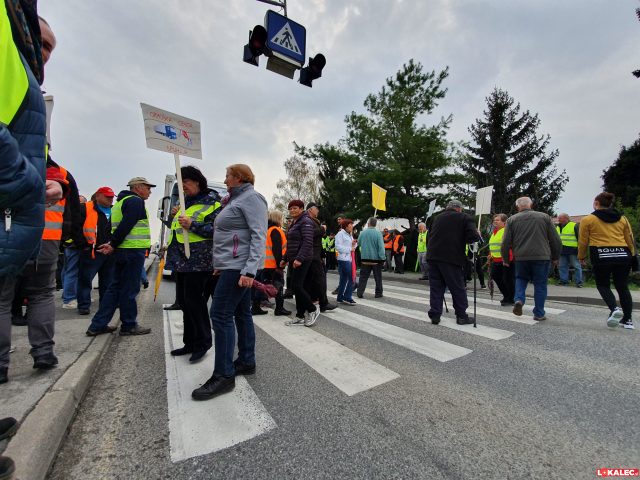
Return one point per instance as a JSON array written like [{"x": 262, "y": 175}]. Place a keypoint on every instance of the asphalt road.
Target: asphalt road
[{"x": 555, "y": 399}]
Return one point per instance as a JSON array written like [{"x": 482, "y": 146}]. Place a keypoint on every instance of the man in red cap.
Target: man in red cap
[{"x": 97, "y": 231}]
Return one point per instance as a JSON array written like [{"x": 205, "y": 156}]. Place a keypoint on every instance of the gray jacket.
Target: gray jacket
[
  {"x": 240, "y": 231},
  {"x": 532, "y": 236}
]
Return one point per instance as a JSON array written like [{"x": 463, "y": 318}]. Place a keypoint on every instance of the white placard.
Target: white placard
[
  {"x": 483, "y": 200},
  {"x": 48, "y": 103},
  {"x": 168, "y": 132},
  {"x": 432, "y": 208}
]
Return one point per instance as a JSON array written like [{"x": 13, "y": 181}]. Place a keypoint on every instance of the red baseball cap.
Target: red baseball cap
[{"x": 106, "y": 191}]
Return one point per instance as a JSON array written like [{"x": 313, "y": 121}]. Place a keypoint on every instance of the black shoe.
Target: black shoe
[
  {"x": 213, "y": 387},
  {"x": 18, "y": 320},
  {"x": 244, "y": 368},
  {"x": 328, "y": 307},
  {"x": 84, "y": 311},
  {"x": 378, "y": 295},
  {"x": 174, "y": 306},
  {"x": 360, "y": 296},
  {"x": 464, "y": 321},
  {"x": 517, "y": 308},
  {"x": 281, "y": 312},
  {"x": 435, "y": 320},
  {"x": 504, "y": 303},
  {"x": 107, "y": 329},
  {"x": 4, "y": 375},
  {"x": 287, "y": 294},
  {"x": 256, "y": 310},
  {"x": 145, "y": 285},
  {"x": 8, "y": 427},
  {"x": 423, "y": 278},
  {"x": 137, "y": 330},
  {"x": 46, "y": 362},
  {"x": 197, "y": 356},
  {"x": 335, "y": 292},
  {"x": 181, "y": 351},
  {"x": 7, "y": 468}
]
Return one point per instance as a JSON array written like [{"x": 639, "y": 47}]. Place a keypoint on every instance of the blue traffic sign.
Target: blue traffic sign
[{"x": 285, "y": 36}]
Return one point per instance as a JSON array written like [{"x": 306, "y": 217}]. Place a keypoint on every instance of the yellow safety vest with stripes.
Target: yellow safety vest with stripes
[
  {"x": 14, "y": 82},
  {"x": 568, "y": 234},
  {"x": 197, "y": 213},
  {"x": 140, "y": 234},
  {"x": 495, "y": 244}
]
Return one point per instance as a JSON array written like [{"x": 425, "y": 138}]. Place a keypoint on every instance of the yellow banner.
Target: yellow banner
[{"x": 378, "y": 197}]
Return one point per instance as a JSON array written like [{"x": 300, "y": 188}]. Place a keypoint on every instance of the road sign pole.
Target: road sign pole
[
  {"x": 187, "y": 251},
  {"x": 282, "y": 4}
]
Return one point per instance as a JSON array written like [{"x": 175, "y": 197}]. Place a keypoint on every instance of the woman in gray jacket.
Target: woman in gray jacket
[{"x": 238, "y": 251}]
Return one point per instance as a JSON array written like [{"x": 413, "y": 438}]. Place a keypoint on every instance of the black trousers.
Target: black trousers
[
  {"x": 446, "y": 275},
  {"x": 316, "y": 282},
  {"x": 193, "y": 290},
  {"x": 276, "y": 278},
  {"x": 303, "y": 299},
  {"x": 505, "y": 278},
  {"x": 603, "y": 275},
  {"x": 365, "y": 271},
  {"x": 397, "y": 259}
]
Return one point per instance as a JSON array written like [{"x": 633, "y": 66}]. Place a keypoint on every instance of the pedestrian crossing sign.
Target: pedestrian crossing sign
[{"x": 286, "y": 37}]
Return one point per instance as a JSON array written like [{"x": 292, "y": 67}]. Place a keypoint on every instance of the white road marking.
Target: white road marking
[
  {"x": 199, "y": 428},
  {"x": 347, "y": 370},
  {"x": 422, "y": 344},
  {"x": 480, "y": 330},
  {"x": 485, "y": 312},
  {"x": 424, "y": 293}
]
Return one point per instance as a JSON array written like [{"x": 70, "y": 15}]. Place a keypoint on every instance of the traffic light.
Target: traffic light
[
  {"x": 313, "y": 71},
  {"x": 256, "y": 46}
]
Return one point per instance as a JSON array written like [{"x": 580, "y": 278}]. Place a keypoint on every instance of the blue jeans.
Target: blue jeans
[
  {"x": 143, "y": 275},
  {"x": 231, "y": 310},
  {"x": 345, "y": 287},
  {"x": 563, "y": 268},
  {"x": 122, "y": 291},
  {"x": 70, "y": 274},
  {"x": 103, "y": 266},
  {"x": 536, "y": 272}
]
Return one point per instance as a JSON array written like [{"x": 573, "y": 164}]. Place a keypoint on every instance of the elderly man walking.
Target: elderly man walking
[
  {"x": 569, "y": 232},
  {"x": 372, "y": 255},
  {"x": 130, "y": 238},
  {"x": 535, "y": 244}
]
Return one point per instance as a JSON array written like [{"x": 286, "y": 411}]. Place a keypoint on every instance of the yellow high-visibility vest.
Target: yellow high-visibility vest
[
  {"x": 568, "y": 234},
  {"x": 140, "y": 234}
]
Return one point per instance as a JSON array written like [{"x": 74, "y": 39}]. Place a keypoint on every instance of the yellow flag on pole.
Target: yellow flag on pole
[{"x": 378, "y": 197}]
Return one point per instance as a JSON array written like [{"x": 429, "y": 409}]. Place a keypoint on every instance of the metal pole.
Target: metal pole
[
  {"x": 282, "y": 4},
  {"x": 183, "y": 207}
]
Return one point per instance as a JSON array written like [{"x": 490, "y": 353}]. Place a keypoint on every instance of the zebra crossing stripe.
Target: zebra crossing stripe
[
  {"x": 485, "y": 312},
  {"x": 347, "y": 370},
  {"x": 484, "y": 301},
  {"x": 199, "y": 428},
  {"x": 422, "y": 344},
  {"x": 480, "y": 330}
]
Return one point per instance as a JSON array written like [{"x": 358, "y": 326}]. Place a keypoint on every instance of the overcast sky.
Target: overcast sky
[{"x": 567, "y": 60}]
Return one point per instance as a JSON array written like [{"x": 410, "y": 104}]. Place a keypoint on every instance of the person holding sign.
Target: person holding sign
[
  {"x": 194, "y": 279},
  {"x": 130, "y": 238}
]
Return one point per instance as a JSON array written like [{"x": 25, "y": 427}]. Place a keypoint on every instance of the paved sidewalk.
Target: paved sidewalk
[
  {"x": 45, "y": 402},
  {"x": 570, "y": 294}
]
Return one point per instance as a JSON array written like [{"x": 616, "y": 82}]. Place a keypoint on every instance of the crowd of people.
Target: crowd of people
[{"x": 237, "y": 246}]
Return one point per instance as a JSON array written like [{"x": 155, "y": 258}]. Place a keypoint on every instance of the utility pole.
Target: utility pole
[{"x": 282, "y": 4}]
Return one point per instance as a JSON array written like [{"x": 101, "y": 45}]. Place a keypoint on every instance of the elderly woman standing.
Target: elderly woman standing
[
  {"x": 238, "y": 252},
  {"x": 194, "y": 280},
  {"x": 609, "y": 239}
]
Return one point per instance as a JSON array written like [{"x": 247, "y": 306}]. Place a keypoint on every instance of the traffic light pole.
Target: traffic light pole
[{"x": 282, "y": 4}]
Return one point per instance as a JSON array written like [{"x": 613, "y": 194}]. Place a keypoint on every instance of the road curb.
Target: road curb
[{"x": 36, "y": 445}]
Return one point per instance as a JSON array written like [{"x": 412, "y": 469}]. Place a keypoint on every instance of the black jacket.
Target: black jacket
[
  {"x": 318, "y": 233},
  {"x": 448, "y": 235},
  {"x": 300, "y": 239}
]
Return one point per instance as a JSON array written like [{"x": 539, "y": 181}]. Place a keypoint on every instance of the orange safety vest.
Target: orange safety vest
[
  {"x": 53, "y": 217},
  {"x": 90, "y": 227},
  {"x": 396, "y": 241},
  {"x": 269, "y": 258},
  {"x": 388, "y": 241}
]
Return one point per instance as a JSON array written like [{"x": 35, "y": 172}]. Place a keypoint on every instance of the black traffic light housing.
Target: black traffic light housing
[
  {"x": 313, "y": 71},
  {"x": 257, "y": 45}
]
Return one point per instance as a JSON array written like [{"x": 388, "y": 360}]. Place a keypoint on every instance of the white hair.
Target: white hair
[{"x": 524, "y": 202}]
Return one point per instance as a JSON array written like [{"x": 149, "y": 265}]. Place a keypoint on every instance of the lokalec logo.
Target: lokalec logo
[{"x": 618, "y": 472}]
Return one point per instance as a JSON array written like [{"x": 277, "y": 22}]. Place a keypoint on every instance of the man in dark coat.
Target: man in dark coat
[{"x": 451, "y": 231}]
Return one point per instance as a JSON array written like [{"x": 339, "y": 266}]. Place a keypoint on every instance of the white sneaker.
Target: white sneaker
[
  {"x": 73, "y": 304},
  {"x": 615, "y": 317},
  {"x": 628, "y": 325},
  {"x": 312, "y": 317},
  {"x": 296, "y": 321}
]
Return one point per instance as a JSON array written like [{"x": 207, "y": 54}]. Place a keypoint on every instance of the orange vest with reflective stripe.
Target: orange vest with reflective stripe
[
  {"x": 53, "y": 217},
  {"x": 90, "y": 227},
  {"x": 396, "y": 241},
  {"x": 388, "y": 241},
  {"x": 269, "y": 259}
]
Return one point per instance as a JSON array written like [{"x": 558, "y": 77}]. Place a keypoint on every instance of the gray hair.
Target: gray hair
[
  {"x": 524, "y": 202},
  {"x": 372, "y": 222},
  {"x": 422, "y": 224},
  {"x": 502, "y": 216}
]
